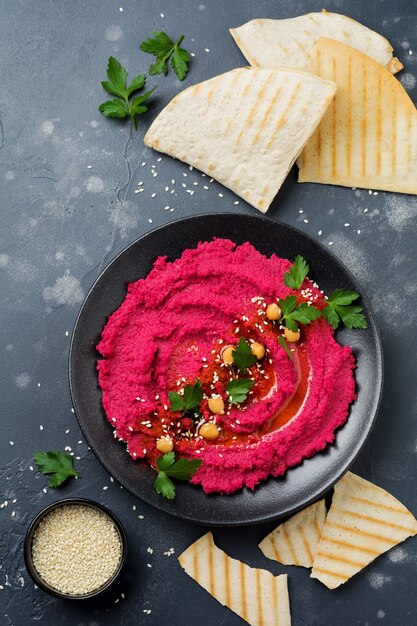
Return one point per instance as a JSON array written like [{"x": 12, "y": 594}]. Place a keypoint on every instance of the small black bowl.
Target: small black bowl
[{"x": 28, "y": 548}]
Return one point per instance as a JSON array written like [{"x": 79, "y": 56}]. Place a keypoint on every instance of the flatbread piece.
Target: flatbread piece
[
  {"x": 363, "y": 522},
  {"x": 254, "y": 594},
  {"x": 368, "y": 136},
  {"x": 245, "y": 128},
  {"x": 295, "y": 541},
  {"x": 289, "y": 42}
]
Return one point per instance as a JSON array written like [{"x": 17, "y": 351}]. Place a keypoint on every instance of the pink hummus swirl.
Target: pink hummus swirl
[{"x": 170, "y": 330}]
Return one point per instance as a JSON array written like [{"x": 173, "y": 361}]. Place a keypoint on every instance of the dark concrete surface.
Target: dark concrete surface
[{"x": 68, "y": 178}]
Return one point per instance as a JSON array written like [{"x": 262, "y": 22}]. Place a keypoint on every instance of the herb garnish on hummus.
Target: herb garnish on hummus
[{"x": 227, "y": 357}]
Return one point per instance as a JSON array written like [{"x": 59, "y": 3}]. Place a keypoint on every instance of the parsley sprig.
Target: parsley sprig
[
  {"x": 121, "y": 106},
  {"x": 295, "y": 276},
  {"x": 238, "y": 389},
  {"x": 167, "y": 468},
  {"x": 243, "y": 356},
  {"x": 190, "y": 401},
  {"x": 339, "y": 308},
  {"x": 56, "y": 463},
  {"x": 163, "y": 48},
  {"x": 283, "y": 343},
  {"x": 293, "y": 314}
]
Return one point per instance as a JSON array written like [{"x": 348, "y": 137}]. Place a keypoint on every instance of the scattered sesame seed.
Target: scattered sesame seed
[
  {"x": 206, "y": 50},
  {"x": 236, "y": 202},
  {"x": 331, "y": 243},
  {"x": 150, "y": 221},
  {"x": 359, "y": 231},
  {"x": 41, "y": 427},
  {"x": 11, "y": 443},
  {"x": 347, "y": 224},
  {"x": 320, "y": 232},
  {"x": 305, "y": 221},
  {"x": 220, "y": 195}
]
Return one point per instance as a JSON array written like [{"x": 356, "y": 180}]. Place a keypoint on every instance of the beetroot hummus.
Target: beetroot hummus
[{"x": 172, "y": 330}]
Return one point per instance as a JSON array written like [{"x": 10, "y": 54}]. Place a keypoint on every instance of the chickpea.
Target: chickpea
[
  {"x": 291, "y": 336},
  {"x": 216, "y": 405},
  {"x": 164, "y": 445},
  {"x": 227, "y": 355},
  {"x": 209, "y": 431},
  {"x": 258, "y": 350},
  {"x": 273, "y": 312}
]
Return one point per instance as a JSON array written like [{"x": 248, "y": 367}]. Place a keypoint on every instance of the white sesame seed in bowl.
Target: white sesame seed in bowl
[{"x": 75, "y": 548}]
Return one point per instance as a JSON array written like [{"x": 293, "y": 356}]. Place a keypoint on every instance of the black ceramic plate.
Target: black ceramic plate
[{"x": 275, "y": 497}]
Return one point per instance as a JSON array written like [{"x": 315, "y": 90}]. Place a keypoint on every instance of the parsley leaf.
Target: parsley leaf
[
  {"x": 193, "y": 395},
  {"x": 243, "y": 356},
  {"x": 162, "y": 47},
  {"x": 164, "y": 486},
  {"x": 339, "y": 309},
  {"x": 58, "y": 464},
  {"x": 291, "y": 313},
  {"x": 283, "y": 343},
  {"x": 305, "y": 313},
  {"x": 164, "y": 462},
  {"x": 238, "y": 390},
  {"x": 295, "y": 276},
  {"x": 116, "y": 85},
  {"x": 288, "y": 305},
  {"x": 168, "y": 467}
]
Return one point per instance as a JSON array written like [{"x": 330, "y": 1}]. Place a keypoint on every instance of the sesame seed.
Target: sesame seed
[{"x": 76, "y": 549}]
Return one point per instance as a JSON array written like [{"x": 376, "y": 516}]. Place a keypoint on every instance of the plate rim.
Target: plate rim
[{"x": 361, "y": 441}]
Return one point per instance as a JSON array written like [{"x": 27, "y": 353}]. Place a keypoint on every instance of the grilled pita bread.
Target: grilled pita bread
[
  {"x": 295, "y": 541},
  {"x": 245, "y": 128},
  {"x": 363, "y": 522},
  {"x": 368, "y": 136},
  {"x": 288, "y": 43},
  {"x": 254, "y": 594}
]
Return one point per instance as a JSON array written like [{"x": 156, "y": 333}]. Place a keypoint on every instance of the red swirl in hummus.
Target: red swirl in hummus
[{"x": 170, "y": 331}]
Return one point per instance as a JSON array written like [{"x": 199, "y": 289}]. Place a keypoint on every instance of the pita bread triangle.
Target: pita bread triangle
[
  {"x": 295, "y": 541},
  {"x": 254, "y": 594},
  {"x": 363, "y": 522},
  {"x": 245, "y": 128},
  {"x": 289, "y": 42},
  {"x": 368, "y": 136}
]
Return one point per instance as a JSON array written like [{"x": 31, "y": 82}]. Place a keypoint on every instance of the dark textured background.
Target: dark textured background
[{"x": 68, "y": 177}]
